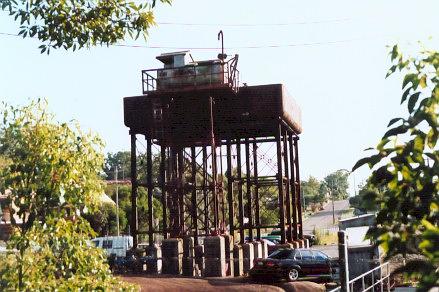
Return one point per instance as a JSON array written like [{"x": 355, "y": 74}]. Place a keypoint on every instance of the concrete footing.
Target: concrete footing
[
  {"x": 155, "y": 265},
  {"x": 238, "y": 261},
  {"x": 199, "y": 260},
  {"x": 172, "y": 255},
  {"x": 214, "y": 257},
  {"x": 306, "y": 243},
  {"x": 248, "y": 254},
  {"x": 228, "y": 246},
  {"x": 257, "y": 249},
  {"x": 188, "y": 262},
  {"x": 264, "y": 248}
]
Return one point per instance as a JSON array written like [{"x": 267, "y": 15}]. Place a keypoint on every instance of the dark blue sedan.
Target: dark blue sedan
[{"x": 292, "y": 264}]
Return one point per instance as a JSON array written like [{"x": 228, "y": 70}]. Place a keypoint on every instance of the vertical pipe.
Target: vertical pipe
[
  {"x": 255, "y": 175},
  {"x": 287, "y": 186},
  {"x": 248, "y": 189},
  {"x": 214, "y": 167},
  {"x": 230, "y": 188},
  {"x": 293, "y": 189},
  {"x": 163, "y": 187},
  {"x": 280, "y": 184},
  {"x": 175, "y": 209},
  {"x": 194, "y": 194},
  {"x": 205, "y": 196},
  {"x": 134, "y": 222},
  {"x": 240, "y": 199},
  {"x": 221, "y": 193},
  {"x": 150, "y": 190},
  {"x": 299, "y": 195}
]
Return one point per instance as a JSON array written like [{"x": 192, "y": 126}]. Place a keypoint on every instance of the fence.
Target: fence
[{"x": 376, "y": 279}]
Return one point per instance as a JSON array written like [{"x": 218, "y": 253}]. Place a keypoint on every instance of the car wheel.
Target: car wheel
[{"x": 293, "y": 274}]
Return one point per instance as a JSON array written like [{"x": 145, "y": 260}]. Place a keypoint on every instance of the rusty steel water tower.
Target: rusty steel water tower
[{"x": 214, "y": 149}]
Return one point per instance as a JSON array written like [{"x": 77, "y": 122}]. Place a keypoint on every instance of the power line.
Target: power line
[
  {"x": 256, "y": 24},
  {"x": 269, "y": 46}
]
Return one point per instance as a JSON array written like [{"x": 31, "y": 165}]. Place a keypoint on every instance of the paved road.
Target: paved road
[{"x": 323, "y": 219}]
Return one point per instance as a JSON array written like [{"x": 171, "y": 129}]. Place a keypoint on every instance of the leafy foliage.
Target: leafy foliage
[
  {"x": 364, "y": 200},
  {"x": 61, "y": 258},
  {"x": 336, "y": 183},
  {"x": 52, "y": 177},
  {"x": 311, "y": 190},
  {"x": 77, "y": 23},
  {"x": 406, "y": 169},
  {"x": 121, "y": 160}
]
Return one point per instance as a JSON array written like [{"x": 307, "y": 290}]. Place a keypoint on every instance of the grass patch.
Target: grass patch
[{"x": 325, "y": 237}]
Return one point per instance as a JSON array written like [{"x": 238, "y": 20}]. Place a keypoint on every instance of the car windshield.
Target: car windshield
[{"x": 280, "y": 254}]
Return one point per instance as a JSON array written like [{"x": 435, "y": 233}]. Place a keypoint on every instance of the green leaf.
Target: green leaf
[
  {"x": 405, "y": 94},
  {"x": 395, "y": 131},
  {"x": 392, "y": 121},
  {"x": 407, "y": 79},
  {"x": 412, "y": 101},
  {"x": 432, "y": 137}
]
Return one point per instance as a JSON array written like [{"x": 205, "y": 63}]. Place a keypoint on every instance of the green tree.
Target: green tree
[
  {"x": 77, "y": 23},
  {"x": 311, "y": 190},
  {"x": 337, "y": 184},
  {"x": 53, "y": 178},
  {"x": 121, "y": 159},
  {"x": 406, "y": 167},
  {"x": 363, "y": 201}
]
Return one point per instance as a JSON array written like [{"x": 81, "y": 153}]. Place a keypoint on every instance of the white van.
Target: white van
[{"x": 117, "y": 245}]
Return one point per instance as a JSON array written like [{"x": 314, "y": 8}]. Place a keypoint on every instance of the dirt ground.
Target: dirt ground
[{"x": 182, "y": 284}]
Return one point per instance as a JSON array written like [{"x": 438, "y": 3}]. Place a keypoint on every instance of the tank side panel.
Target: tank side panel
[{"x": 291, "y": 112}]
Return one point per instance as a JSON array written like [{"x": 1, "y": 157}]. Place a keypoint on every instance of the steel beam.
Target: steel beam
[
  {"x": 230, "y": 189},
  {"x": 256, "y": 181},
  {"x": 287, "y": 187},
  {"x": 150, "y": 190},
  {"x": 134, "y": 219},
  {"x": 293, "y": 187},
  {"x": 194, "y": 208},
  {"x": 280, "y": 184},
  {"x": 240, "y": 195},
  {"x": 248, "y": 189},
  {"x": 299, "y": 195},
  {"x": 163, "y": 189}
]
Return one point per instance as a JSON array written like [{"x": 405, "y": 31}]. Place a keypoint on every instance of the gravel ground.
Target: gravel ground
[{"x": 182, "y": 284}]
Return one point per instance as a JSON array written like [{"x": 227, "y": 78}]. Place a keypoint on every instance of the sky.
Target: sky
[{"x": 331, "y": 55}]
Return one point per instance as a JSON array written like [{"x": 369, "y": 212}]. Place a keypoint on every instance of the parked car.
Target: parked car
[
  {"x": 311, "y": 237},
  {"x": 293, "y": 264}
]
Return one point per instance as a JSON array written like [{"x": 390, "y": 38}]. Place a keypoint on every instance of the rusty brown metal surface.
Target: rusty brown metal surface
[
  {"x": 192, "y": 122},
  {"x": 182, "y": 118}
]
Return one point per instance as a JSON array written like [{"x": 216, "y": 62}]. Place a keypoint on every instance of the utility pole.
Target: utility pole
[
  {"x": 117, "y": 201},
  {"x": 333, "y": 209}
]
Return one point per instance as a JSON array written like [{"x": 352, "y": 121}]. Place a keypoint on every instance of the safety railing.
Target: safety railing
[
  {"x": 203, "y": 75},
  {"x": 377, "y": 279}
]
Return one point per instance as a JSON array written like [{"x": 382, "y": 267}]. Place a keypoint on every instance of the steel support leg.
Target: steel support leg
[
  {"x": 194, "y": 207},
  {"x": 299, "y": 195},
  {"x": 240, "y": 195},
  {"x": 280, "y": 185},
  {"x": 134, "y": 220},
  {"x": 287, "y": 186},
  {"x": 248, "y": 190},
  {"x": 255, "y": 177},
  {"x": 230, "y": 188},
  {"x": 205, "y": 192},
  {"x": 162, "y": 185},
  {"x": 293, "y": 189},
  {"x": 150, "y": 190}
]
